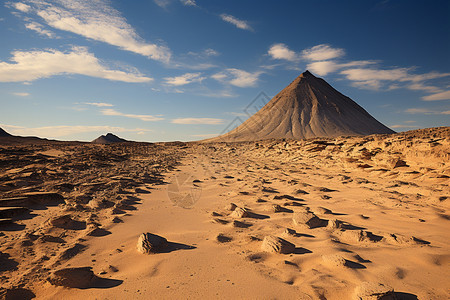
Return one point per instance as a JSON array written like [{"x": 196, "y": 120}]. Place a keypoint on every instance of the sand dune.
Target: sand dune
[{"x": 336, "y": 218}]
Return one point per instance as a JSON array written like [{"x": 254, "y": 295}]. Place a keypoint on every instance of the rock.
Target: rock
[
  {"x": 239, "y": 224},
  {"x": 308, "y": 219},
  {"x": 221, "y": 238},
  {"x": 16, "y": 293},
  {"x": 220, "y": 221},
  {"x": 113, "y": 269},
  {"x": 374, "y": 291},
  {"x": 323, "y": 210},
  {"x": 359, "y": 236},
  {"x": 277, "y": 208},
  {"x": 9, "y": 212},
  {"x": 335, "y": 260},
  {"x": 151, "y": 243},
  {"x": 67, "y": 222},
  {"x": 117, "y": 220},
  {"x": 334, "y": 224},
  {"x": 278, "y": 245},
  {"x": 231, "y": 207},
  {"x": 81, "y": 278},
  {"x": 97, "y": 231},
  {"x": 289, "y": 231},
  {"x": 240, "y": 212}
]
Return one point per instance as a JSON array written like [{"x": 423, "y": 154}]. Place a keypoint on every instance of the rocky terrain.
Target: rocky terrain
[
  {"x": 324, "y": 218},
  {"x": 55, "y": 195}
]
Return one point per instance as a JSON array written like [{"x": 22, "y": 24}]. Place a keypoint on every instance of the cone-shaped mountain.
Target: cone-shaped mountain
[{"x": 308, "y": 107}]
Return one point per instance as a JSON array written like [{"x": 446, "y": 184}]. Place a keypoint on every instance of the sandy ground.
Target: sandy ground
[{"x": 380, "y": 206}]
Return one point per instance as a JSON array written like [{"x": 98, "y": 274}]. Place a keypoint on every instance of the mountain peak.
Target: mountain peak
[
  {"x": 109, "y": 138},
  {"x": 307, "y": 74}
]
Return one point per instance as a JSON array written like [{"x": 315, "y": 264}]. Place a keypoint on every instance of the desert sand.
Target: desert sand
[{"x": 323, "y": 218}]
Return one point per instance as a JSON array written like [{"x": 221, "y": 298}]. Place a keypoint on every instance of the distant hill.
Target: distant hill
[
  {"x": 108, "y": 139},
  {"x": 9, "y": 139},
  {"x": 308, "y": 107},
  {"x": 3, "y": 133}
]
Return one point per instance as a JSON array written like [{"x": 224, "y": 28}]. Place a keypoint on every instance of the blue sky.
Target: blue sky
[{"x": 167, "y": 70}]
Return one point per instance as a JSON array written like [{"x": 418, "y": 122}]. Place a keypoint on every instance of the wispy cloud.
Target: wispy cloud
[
  {"x": 403, "y": 126},
  {"x": 35, "y": 26},
  {"x": 188, "y": 2},
  {"x": 162, "y": 3},
  {"x": 237, "y": 77},
  {"x": 438, "y": 96},
  {"x": 203, "y": 121},
  {"x": 322, "y": 52},
  {"x": 21, "y": 94},
  {"x": 324, "y": 59},
  {"x": 206, "y": 52},
  {"x": 241, "y": 24},
  {"x": 22, "y": 7},
  {"x": 323, "y": 68},
  {"x": 95, "y": 20},
  {"x": 281, "y": 51},
  {"x": 33, "y": 65},
  {"x": 146, "y": 118},
  {"x": 65, "y": 130},
  {"x": 427, "y": 111},
  {"x": 99, "y": 104},
  {"x": 376, "y": 78},
  {"x": 184, "y": 79}
]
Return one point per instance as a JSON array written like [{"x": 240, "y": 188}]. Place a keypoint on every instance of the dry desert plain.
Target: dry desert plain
[{"x": 336, "y": 218}]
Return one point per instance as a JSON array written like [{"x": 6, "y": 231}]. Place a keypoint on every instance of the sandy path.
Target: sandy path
[{"x": 211, "y": 270}]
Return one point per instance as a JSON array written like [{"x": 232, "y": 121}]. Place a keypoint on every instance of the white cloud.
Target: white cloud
[
  {"x": 211, "y": 52},
  {"x": 322, "y": 52},
  {"x": 33, "y": 65},
  {"x": 22, "y": 7},
  {"x": 99, "y": 104},
  {"x": 374, "y": 78},
  {"x": 281, "y": 51},
  {"x": 64, "y": 130},
  {"x": 184, "y": 79},
  {"x": 438, "y": 96},
  {"x": 403, "y": 126},
  {"x": 146, "y": 118},
  {"x": 219, "y": 94},
  {"x": 39, "y": 29},
  {"x": 188, "y": 2},
  {"x": 162, "y": 3},
  {"x": 323, "y": 68},
  {"x": 203, "y": 121},
  {"x": 236, "y": 22},
  {"x": 426, "y": 111},
  {"x": 21, "y": 94},
  {"x": 96, "y": 20},
  {"x": 206, "y": 52},
  {"x": 239, "y": 78},
  {"x": 323, "y": 59}
]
